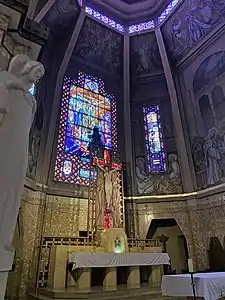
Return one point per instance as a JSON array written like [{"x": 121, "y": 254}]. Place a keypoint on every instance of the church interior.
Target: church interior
[{"x": 123, "y": 194}]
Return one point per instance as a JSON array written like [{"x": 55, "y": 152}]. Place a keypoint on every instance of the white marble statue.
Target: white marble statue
[
  {"x": 99, "y": 203},
  {"x": 17, "y": 109},
  {"x": 108, "y": 184},
  {"x": 116, "y": 199}
]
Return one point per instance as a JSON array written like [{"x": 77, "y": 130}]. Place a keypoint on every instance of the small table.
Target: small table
[{"x": 208, "y": 286}]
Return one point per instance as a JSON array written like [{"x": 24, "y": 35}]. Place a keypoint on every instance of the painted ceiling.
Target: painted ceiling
[{"x": 130, "y": 10}]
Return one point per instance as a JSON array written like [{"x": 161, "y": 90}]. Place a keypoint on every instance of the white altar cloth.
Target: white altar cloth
[
  {"x": 210, "y": 286},
  {"x": 102, "y": 260}
]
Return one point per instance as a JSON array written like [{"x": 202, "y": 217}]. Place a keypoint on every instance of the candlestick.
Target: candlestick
[{"x": 190, "y": 266}]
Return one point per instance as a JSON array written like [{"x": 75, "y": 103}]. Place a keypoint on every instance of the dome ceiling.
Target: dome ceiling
[{"x": 130, "y": 10}]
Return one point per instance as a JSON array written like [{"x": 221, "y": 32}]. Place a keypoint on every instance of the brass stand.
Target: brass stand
[{"x": 193, "y": 285}]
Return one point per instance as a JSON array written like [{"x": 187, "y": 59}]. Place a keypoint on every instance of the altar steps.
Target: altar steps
[{"x": 122, "y": 293}]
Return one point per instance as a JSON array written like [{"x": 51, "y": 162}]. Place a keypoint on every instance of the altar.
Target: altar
[
  {"x": 76, "y": 266},
  {"x": 208, "y": 286},
  {"x": 110, "y": 260}
]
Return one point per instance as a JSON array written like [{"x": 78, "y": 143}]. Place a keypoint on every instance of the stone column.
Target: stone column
[
  {"x": 127, "y": 127},
  {"x": 133, "y": 280},
  {"x": 110, "y": 281},
  {"x": 43, "y": 177},
  {"x": 155, "y": 276},
  {"x": 84, "y": 280},
  {"x": 127, "y": 109},
  {"x": 179, "y": 132}
]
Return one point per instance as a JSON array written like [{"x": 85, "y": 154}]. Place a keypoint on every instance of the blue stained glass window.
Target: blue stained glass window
[
  {"x": 85, "y": 108},
  {"x": 154, "y": 139},
  {"x": 141, "y": 26},
  {"x": 168, "y": 10},
  {"x": 104, "y": 19}
]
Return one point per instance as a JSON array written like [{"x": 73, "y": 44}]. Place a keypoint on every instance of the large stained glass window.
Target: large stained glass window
[
  {"x": 87, "y": 112},
  {"x": 154, "y": 139}
]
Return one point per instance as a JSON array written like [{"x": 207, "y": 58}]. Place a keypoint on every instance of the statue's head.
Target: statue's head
[
  {"x": 106, "y": 168},
  {"x": 140, "y": 162},
  {"x": 172, "y": 157},
  {"x": 29, "y": 71},
  {"x": 211, "y": 133}
]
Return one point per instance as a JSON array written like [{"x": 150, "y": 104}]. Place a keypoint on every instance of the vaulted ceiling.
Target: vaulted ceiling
[{"x": 130, "y": 10}]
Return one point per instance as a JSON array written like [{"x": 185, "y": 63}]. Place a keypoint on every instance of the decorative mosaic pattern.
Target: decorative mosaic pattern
[
  {"x": 142, "y": 243},
  {"x": 88, "y": 114},
  {"x": 168, "y": 11},
  {"x": 48, "y": 242},
  {"x": 154, "y": 139},
  {"x": 104, "y": 19},
  {"x": 141, "y": 26}
]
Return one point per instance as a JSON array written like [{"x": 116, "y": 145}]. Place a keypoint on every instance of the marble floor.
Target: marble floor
[{"x": 98, "y": 293}]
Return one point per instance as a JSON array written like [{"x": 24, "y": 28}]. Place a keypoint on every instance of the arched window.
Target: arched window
[
  {"x": 86, "y": 109},
  {"x": 154, "y": 139}
]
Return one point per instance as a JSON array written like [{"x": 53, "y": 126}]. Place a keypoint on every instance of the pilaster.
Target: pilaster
[
  {"x": 43, "y": 172},
  {"x": 179, "y": 132}
]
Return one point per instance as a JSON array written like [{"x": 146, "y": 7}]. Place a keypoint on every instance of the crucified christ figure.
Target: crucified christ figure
[{"x": 108, "y": 184}]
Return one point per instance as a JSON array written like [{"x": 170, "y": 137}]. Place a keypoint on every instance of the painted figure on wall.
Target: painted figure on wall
[
  {"x": 212, "y": 156},
  {"x": 144, "y": 181},
  {"x": 174, "y": 167},
  {"x": 99, "y": 45},
  {"x": 158, "y": 183},
  {"x": 208, "y": 149},
  {"x": 145, "y": 57},
  {"x": 191, "y": 23}
]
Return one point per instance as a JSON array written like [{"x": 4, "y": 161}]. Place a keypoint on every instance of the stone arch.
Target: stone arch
[{"x": 211, "y": 68}]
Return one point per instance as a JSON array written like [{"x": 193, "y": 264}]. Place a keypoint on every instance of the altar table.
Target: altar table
[
  {"x": 209, "y": 286},
  {"x": 106, "y": 260}
]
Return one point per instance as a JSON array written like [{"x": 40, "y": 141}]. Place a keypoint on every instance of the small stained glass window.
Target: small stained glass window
[
  {"x": 168, "y": 10},
  {"x": 141, "y": 27},
  {"x": 88, "y": 115},
  {"x": 154, "y": 139},
  {"x": 104, "y": 19}
]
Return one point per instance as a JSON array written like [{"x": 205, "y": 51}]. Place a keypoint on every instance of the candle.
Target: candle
[{"x": 190, "y": 266}]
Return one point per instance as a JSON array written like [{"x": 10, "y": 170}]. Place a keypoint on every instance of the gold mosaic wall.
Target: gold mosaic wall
[
  {"x": 65, "y": 216},
  {"x": 40, "y": 216},
  {"x": 199, "y": 218}
]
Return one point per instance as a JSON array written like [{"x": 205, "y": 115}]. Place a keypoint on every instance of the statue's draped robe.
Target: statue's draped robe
[{"x": 14, "y": 139}]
